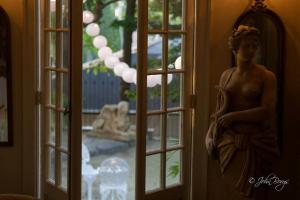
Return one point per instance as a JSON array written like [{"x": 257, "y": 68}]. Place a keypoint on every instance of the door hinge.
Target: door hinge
[
  {"x": 38, "y": 98},
  {"x": 193, "y": 99}
]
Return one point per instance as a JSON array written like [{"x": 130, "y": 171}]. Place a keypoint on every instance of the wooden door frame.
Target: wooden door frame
[
  {"x": 74, "y": 170},
  {"x": 30, "y": 179},
  {"x": 203, "y": 103},
  {"x": 76, "y": 94},
  {"x": 202, "y": 72},
  {"x": 168, "y": 193}
]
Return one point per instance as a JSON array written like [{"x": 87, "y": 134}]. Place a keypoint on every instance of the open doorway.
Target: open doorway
[
  {"x": 134, "y": 114},
  {"x": 109, "y": 94}
]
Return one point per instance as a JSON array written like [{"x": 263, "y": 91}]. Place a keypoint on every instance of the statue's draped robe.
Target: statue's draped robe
[{"x": 252, "y": 160}]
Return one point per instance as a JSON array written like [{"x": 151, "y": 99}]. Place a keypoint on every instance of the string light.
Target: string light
[
  {"x": 128, "y": 75},
  {"x": 87, "y": 17},
  {"x": 92, "y": 29},
  {"x": 99, "y": 41},
  {"x": 121, "y": 69},
  {"x": 178, "y": 63},
  {"x": 111, "y": 61},
  {"x": 104, "y": 52}
]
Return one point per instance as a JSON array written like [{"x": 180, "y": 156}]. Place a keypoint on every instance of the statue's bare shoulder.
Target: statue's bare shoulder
[
  {"x": 267, "y": 75},
  {"x": 269, "y": 87},
  {"x": 225, "y": 75}
]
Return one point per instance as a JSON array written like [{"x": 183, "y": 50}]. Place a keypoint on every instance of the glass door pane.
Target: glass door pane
[
  {"x": 57, "y": 67},
  {"x": 165, "y": 78}
]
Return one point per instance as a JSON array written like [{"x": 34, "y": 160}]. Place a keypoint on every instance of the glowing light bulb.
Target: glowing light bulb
[
  {"x": 104, "y": 52},
  {"x": 87, "y": 17},
  {"x": 99, "y": 41},
  {"x": 92, "y": 29}
]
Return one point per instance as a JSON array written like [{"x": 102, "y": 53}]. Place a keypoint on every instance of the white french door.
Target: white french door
[
  {"x": 61, "y": 74},
  {"x": 172, "y": 157}
]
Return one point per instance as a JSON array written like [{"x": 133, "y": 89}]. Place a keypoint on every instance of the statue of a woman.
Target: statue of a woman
[{"x": 241, "y": 135}]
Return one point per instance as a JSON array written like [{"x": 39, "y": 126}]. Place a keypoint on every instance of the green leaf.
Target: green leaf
[
  {"x": 174, "y": 170},
  {"x": 95, "y": 71},
  {"x": 130, "y": 94},
  {"x": 103, "y": 69},
  {"x": 130, "y": 22}
]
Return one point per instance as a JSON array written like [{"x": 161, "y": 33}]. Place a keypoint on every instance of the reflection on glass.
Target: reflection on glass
[
  {"x": 175, "y": 14},
  {"x": 175, "y": 88},
  {"x": 3, "y": 108},
  {"x": 51, "y": 164},
  {"x": 5, "y": 80},
  {"x": 64, "y": 117},
  {"x": 52, "y": 122},
  {"x": 174, "y": 51},
  {"x": 153, "y": 138},
  {"x": 3, "y": 125},
  {"x": 154, "y": 52},
  {"x": 64, "y": 170},
  {"x": 153, "y": 172},
  {"x": 154, "y": 91},
  {"x": 64, "y": 102},
  {"x": 52, "y": 92},
  {"x": 65, "y": 59},
  {"x": 65, "y": 13},
  {"x": 173, "y": 167},
  {"x": 174, "y": 128},
  {"x": 51, "y": 51},
  {"x": 155, "y": 14},
  {"x": 52, "y": 13}
]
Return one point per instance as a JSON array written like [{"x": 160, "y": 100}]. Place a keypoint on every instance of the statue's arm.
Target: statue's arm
[
  {"x": 209, "y": 140},
  {"x": 224, "y": 76},
  {"x": 267, "y": 108}
]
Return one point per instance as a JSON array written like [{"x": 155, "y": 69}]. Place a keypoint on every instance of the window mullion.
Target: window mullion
[
  {"x": 141, "y": 98},
  {"x": 47, "y": 80},
  {"x": 165, "y": 89},
  {"x": 58, "y": 96}
]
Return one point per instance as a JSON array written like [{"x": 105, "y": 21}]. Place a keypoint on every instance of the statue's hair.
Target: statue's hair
[{"x": 241, "y": 32}]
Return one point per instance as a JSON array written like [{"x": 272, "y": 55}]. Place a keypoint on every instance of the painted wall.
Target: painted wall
[
  {"x": 223, "y": 15},
  {"x": 11, "y": 157},
  {"x": 17, "y": 163}
]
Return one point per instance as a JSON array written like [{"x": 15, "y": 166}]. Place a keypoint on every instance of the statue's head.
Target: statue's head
[
  {"x": 244, "y": 42},
  {"x": 123, "y": 107}
]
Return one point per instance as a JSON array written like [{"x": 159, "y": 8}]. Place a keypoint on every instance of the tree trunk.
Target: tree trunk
[{"x": 130, "y": 11}]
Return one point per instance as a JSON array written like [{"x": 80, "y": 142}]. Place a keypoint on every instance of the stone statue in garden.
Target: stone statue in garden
[
  {"x": 113, "y": 121},
  {"x": 241, "y": 135}
]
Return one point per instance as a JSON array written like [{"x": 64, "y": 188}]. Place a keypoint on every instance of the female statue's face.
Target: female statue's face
[{"x": 247, "y": 48}]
